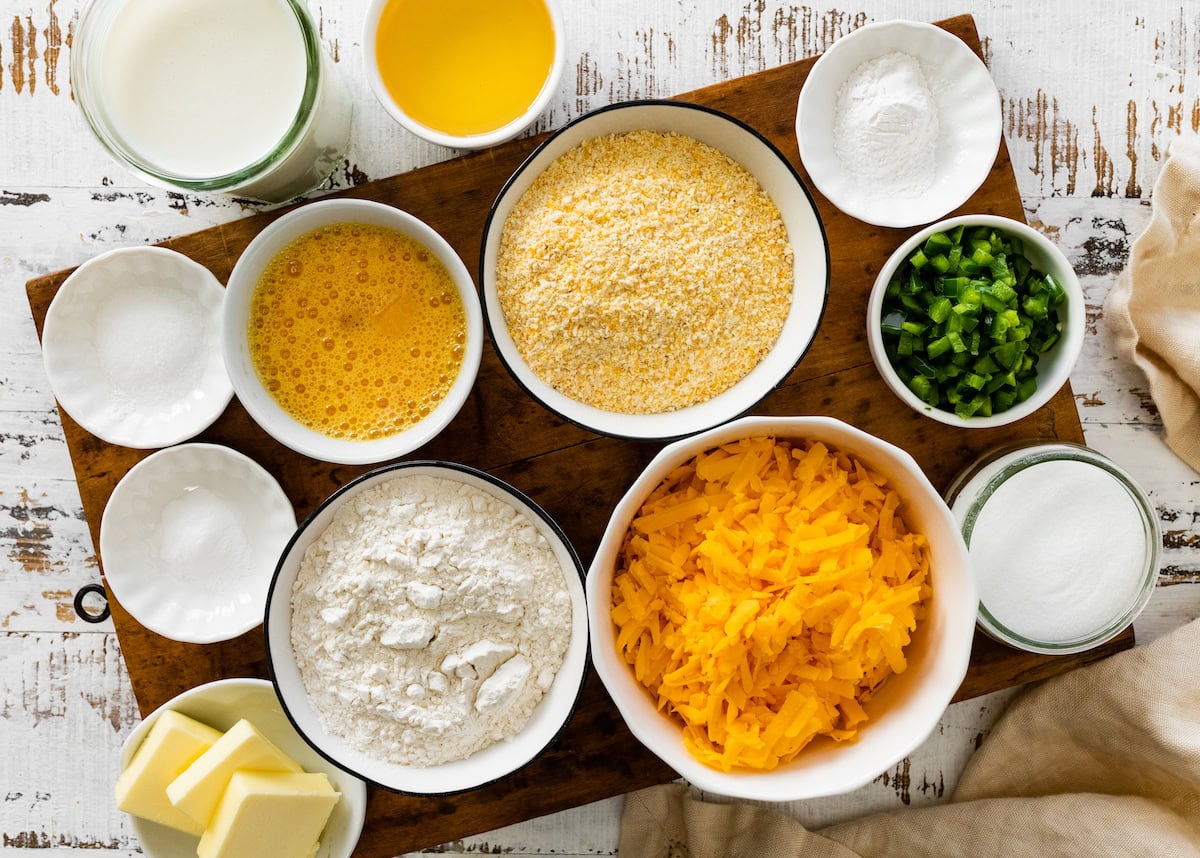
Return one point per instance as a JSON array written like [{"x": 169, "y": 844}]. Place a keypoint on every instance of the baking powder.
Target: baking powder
[
  {"x": 885, "y": 126},
  {"x": 428, "y": 620}
]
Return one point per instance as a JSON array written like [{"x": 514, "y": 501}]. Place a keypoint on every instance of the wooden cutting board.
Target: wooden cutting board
[{"x": 576, "y": 476}]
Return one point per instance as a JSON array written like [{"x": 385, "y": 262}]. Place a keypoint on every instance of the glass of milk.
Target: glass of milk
[{"x": 233, "y": 96}]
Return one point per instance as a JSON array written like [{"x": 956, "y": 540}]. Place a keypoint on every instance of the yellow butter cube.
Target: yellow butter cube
[
  {"x": 173, "y": 743},
  {"x": 197, "y": 791},
  {"x": 280, "y": 814}
]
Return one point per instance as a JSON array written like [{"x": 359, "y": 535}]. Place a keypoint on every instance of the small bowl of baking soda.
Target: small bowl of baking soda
[
  {"x": 426, "y": 628},
  {"x": 1064, "y": 545},
  {"x": 898, "y": 123}
]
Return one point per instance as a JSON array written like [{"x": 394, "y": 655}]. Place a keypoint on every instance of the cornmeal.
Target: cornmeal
[{"x": 644, "y": 272}]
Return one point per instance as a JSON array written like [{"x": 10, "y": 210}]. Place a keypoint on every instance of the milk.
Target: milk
[{"x": 192, "y": 93}]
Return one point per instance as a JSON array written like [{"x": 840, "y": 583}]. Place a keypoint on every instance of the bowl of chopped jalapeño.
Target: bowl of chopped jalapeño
[{"x": 976, "y": 321}]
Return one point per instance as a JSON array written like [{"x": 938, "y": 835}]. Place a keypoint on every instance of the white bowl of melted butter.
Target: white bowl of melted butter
[{"x": 352, "y": 358}]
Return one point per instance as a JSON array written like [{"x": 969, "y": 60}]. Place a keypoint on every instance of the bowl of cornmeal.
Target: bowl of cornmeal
[
  {"x": 426, "y": 628},
  {"x": 351, "y": 331},
  {"x": 652, "y": 270}
]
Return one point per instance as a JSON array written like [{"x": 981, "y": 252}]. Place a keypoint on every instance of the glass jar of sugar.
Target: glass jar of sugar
[
  {"x": 233, "y": 96},
  {"x": 1064, "y": 545}
]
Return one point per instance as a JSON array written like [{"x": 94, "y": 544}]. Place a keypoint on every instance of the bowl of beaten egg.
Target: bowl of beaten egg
[
  {"x": 781, "y": 608},
  {"x": 653, "y": 269},
  {"x": 352, "y": 331}
]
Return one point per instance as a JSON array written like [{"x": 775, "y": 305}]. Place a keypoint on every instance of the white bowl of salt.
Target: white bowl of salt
[
  {"x": 1063, "y": 543},
  {"x": 898, "y": 123},
  {"x": 189, "y": 541},
  {"x": 132, "y": 347}
]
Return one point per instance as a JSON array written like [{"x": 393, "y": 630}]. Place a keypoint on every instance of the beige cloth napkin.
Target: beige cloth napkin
[
  {"x": 1103, "y": 761},
  {"x": 1154, "y": 310}
]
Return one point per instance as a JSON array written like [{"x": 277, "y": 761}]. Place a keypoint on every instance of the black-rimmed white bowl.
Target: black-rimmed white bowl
[
  {"x": 782, "y": 184},
  {"x": 485, "y": 766}
]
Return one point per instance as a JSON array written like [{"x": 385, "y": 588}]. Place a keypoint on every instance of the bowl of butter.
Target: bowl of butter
[{"x": 219, "y": 772}]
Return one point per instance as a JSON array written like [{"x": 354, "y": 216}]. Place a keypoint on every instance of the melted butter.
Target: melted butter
[
  {"x": 464, "y": 66},
  {"x": 357, "y": 331}
]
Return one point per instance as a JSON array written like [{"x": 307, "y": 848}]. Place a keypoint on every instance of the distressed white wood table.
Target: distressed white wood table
[{"x": 1092, "y": 94}]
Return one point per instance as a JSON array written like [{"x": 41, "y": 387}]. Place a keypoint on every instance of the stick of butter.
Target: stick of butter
[
  {"x": 173, "y": 743},
  {"x": 280, "y": 814},
  {"x": 197, "y": 790}
]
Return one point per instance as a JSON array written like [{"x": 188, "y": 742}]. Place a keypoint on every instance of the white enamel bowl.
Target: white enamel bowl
[
  {"x": 781, "y": 183},
  {"x": 253, "y": 394},
  {"x": 222, "y": 704},
  {"x": 969, "y": 122},
  {"x": 907, "y": 706},
  {"x": 485, "y": 766},
  {"x": 1054, "y": 365}
]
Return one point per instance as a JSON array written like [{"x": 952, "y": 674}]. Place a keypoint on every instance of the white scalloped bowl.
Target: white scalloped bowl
[
  {"x": 968, "y": 110},
  {"x": 105, "y": 363},
  {"x": 222, "y": 704},
  {"x": 905, "y": 709},
  {"x": 157, "y": 510}
]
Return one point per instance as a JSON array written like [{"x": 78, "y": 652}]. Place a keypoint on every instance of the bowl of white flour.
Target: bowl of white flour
[
  {"x": 898, "y": 123},
  {"x": 426, "y": 628}
]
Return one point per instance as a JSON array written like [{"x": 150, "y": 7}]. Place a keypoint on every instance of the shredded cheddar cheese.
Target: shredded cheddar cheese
[{"x": 764, "y": 591}]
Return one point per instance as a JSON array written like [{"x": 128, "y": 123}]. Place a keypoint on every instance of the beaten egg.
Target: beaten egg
[{"x": 357, "y": 331}]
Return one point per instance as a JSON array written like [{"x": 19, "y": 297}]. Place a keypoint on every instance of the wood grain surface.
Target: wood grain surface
[{"x": 576, "y": 476}]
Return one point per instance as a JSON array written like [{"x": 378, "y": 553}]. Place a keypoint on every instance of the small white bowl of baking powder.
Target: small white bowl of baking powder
[{"x": 898, "y": 123}]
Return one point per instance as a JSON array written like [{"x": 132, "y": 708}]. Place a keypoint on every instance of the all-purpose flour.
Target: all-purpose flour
[
  {"x": 428, "y": 620},
  {"x": 885, "y": 126}
]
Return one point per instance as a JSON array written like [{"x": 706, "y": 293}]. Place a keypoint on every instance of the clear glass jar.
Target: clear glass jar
[
  {"x": 301, "y": 158},
  {"x": 968, "y": 497}
]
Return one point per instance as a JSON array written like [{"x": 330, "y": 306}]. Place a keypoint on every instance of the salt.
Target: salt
[
  {"x": 1059, "y": 549},
  {"x": 885, "y": 126},
  {"x": 151, "y": 345}
]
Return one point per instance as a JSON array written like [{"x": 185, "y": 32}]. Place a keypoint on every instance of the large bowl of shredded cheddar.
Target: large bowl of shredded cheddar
[{"x": 781, "y": 608}]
